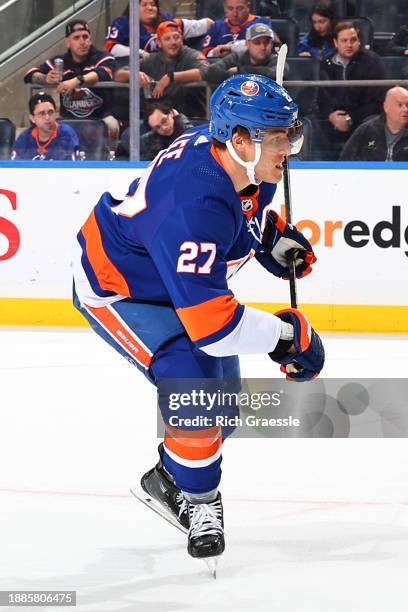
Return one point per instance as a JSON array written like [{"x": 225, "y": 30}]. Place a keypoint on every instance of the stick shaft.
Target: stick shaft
[
  {"x": 280, "y": 66},
  {"x": 288, "y": 214}
]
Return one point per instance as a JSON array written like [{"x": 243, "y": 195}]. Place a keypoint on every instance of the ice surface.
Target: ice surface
[{"x": 311, "y": 525}]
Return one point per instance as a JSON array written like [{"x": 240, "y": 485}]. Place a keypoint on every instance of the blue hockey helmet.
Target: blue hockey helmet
[{"x": 252, "y": 101}]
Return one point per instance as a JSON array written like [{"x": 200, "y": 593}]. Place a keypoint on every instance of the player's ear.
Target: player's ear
[{"x": 240, "y": 140}]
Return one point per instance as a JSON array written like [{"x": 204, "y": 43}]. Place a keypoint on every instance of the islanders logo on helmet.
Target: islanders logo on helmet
[{"x": 250, "y": 88}]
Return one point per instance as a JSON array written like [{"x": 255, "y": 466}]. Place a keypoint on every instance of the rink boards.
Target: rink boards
[{"x": 356, "y": 216}]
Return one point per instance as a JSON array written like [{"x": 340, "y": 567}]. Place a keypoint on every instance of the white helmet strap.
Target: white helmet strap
[{"x": 249, "y": 166}]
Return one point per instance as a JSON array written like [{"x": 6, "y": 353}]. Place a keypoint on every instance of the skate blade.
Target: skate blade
[
  {"x": 154, "y": 505},
  {"x": 212, "y": 565}
]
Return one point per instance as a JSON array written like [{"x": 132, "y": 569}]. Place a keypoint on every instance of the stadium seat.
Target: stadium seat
[
  {"x": 303, "y": 69},
  {"x": 266, "y": 8},
  {"x": 396, "y": 66},
  {"x": 299, "y": 11},
  {"x": 365, "y": 25},
  {"x": 386, "y": 16},
  {"x": 92, "y": 134},
  {"x": 288, "y": 32},
  {"x": 215, "y": 9},
  {"x": 7, "y": 137},
  {"x": 210, "y": 8}
]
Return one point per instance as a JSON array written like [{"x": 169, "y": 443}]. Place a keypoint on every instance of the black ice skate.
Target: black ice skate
[
  {"x": 206, "y": 532},
  {"x": 158, "y": 484}
]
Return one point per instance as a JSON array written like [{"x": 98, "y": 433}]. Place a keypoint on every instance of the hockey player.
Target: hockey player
[{"x": 151, "y": 278}]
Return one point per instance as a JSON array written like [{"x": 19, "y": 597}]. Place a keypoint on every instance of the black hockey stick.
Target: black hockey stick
[{"x": 280, "y": 66}]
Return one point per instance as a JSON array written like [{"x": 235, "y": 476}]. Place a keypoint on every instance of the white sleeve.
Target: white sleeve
[
  {"x": 257, "y": 332},
  {"x": 119, "y": 50},
  {"x": 195, "y": 27}
]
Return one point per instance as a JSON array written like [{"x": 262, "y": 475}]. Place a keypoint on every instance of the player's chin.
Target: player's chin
[
  {"x": 276, "y": 173},
  {"x": 272, "y": 176}
]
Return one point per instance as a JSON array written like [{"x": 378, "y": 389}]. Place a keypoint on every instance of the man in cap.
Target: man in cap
[
  {"x": 45, "y": 139},
  {"x": 83, "y": 67},
  {"x": 258, "y": 58},
  {"x": 228, "y": 34},
  {"x": 173, "y": 66}
]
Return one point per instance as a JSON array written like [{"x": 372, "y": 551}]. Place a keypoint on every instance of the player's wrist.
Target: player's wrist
[{"x": 284, "y": 346}]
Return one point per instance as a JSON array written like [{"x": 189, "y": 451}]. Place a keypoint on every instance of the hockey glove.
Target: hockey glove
[
  {"x": 308, "y": 359},
  {"x": 282, "y": 242}
]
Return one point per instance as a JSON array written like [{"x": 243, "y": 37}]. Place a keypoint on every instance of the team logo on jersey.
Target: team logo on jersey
[
  {"x": 249, "y": 88},
  {"x": 82, "y": 102},
  {"x": 247, "y": 205}
]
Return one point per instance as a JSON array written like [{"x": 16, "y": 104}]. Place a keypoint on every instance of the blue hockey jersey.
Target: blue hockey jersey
[
  {"x": 222, "y": 32},
  {"x": 63, "y": 144},
  {"x": 118, "y": 33},
  {"x": 176, "y": 238}
]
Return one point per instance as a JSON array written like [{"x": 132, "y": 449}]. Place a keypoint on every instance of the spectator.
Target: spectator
[
  {"x": 343, "y": 109},
  {"x": 398, "y": 44},
  {"x": 165, "y": 124},
  {"x": 84, "y": 66},
  {"x": 45, "y": 139},
  {"x": 171, "y": 67},
  {"x": 319, "y": 41},
  {"x": 383, "y": 138},
  {"x": 259, "y": 58},
  {"x": 117, "y": 39},
  {"x": 227, "y": 35}
]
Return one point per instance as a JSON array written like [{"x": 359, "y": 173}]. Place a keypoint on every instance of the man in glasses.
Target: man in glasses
[
  {"x": 45, "y": 139},
  {"x": 165, "y": 125}
]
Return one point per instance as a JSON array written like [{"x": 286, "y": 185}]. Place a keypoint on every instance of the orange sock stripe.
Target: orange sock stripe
[
  {"x": 195, "y": 448},
  {"x": 109, "y": 277}
]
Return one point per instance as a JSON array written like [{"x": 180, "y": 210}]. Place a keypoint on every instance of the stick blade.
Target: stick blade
[{"x": 280, "y": 64}]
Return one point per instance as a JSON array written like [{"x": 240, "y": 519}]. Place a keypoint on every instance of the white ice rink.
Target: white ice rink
[{"x": 312, "y": 525}]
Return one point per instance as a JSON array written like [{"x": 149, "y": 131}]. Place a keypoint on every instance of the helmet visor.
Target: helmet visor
[
  {"x": 295, "y": 136},
  {"x": 278, "y": 141}
]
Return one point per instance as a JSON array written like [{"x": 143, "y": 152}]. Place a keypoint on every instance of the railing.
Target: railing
[
  {"x": 114, "y": 85},
  {"x": 385, "y": 83}
]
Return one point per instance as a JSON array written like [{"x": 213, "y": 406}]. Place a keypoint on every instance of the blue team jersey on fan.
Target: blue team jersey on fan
[
  {"x": 62, "y": 145},
  {"x": 181, "y": 231},
  {"x": 118, "y": 32},
  {"x": 223, "y": 33}
]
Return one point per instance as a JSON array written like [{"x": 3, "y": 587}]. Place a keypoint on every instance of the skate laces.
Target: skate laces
[
  {"x": 181, "y": 500},
  {"x": 205, "y": 519}
]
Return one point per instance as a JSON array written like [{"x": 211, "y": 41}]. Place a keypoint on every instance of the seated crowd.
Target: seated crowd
[{"x": 348, "y": 123}]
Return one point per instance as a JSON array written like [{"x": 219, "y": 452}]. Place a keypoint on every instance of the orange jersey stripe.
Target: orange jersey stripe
[
  {"x": 121, "y": 335},
  {"x": 194, "y": 448},
  {"x": 304, "y": 327},
  {"x": 208, "y": 317},
  {"x": 108, "y": 276},
  {"x": 109, "y": 44}
]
